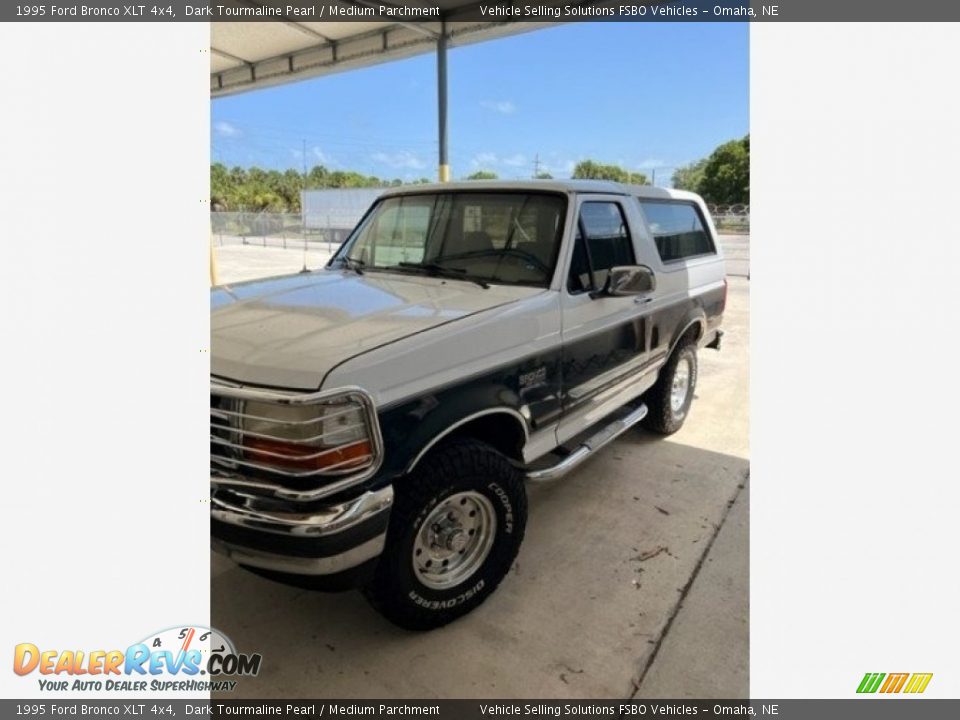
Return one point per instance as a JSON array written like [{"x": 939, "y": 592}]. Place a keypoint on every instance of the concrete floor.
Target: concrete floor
[
  {"x": 690, "y": 662},
  {"x": 736, "y": 251},
  {"x": 631, "y": 582},
  {"x": 236, "y": 261}
]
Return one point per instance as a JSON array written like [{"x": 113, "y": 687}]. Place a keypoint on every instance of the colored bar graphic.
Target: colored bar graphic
[
  {"x": 894, "y": 682},
  {"x": 918, "y": 682},
  {"x": 870, "y": 682}
]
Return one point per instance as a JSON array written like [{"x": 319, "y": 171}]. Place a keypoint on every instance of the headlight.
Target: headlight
[
  {"x": 331, "y": 437},
  {"x": 343, "y": 425}
]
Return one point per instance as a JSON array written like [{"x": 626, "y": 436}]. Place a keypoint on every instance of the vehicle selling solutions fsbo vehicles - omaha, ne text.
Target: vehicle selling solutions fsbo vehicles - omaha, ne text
[{"x": 373, "y": 423}]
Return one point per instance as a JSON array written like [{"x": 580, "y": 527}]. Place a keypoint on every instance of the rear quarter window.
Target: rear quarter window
[{"x": 678, "y": 230}]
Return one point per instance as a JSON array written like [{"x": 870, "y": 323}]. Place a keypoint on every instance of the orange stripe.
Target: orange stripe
[
  {"x": 187, "y": 639},
  {"x": 903, "y": 678},
  {"x": 887, "y": 683}
]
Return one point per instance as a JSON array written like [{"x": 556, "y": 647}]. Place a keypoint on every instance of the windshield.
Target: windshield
[{"x": 510, "y": 238}]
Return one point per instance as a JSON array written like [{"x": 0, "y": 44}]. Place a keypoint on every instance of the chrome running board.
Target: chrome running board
[{"x": 589, "y": 446}]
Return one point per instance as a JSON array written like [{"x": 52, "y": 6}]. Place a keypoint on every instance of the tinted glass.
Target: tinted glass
[
  {"x": 677, "y": 230},
  {"x": 508, "y": 238},
  {"x": 606, "y": 244}
]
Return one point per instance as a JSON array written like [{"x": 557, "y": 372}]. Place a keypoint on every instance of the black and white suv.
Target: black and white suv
[{"x": 373, "y": 423}]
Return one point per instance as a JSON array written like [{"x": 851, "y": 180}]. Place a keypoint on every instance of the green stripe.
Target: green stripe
[{"x": 871, "y": 682}]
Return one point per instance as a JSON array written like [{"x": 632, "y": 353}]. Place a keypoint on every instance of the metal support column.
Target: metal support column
[{"x": 444, "y": 166}]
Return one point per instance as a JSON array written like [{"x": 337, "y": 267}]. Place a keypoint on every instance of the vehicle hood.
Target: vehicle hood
[{"x": 290, "y": 331}]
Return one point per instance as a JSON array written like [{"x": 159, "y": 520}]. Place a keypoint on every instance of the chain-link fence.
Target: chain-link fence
[
  {"x": 273, "y": 230},
  {"x": 288, "y": 230},
  {"x": 731, "y": 218}
]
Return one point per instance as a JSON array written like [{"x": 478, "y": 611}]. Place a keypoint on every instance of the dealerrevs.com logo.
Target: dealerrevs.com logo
[
  {"x": 185, "y": 659},
  {"x": 911, "y": 683}
]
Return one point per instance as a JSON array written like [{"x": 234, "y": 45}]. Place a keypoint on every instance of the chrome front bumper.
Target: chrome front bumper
[{"x": 327, "y": 540}]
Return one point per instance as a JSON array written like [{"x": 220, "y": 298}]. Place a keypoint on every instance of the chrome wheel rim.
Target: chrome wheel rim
[
  {"x": 681, "y": 385},
  {"x": 454, "y": 540}
]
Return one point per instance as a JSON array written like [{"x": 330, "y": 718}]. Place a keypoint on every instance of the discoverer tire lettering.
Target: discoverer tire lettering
[{"x": 458, "y": 466}]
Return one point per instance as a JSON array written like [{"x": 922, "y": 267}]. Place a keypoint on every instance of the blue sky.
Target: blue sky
[{"x": 641, "y": 95}]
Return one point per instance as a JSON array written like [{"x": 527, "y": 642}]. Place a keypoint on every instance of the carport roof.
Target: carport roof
[{"x": 248, "y": 55}]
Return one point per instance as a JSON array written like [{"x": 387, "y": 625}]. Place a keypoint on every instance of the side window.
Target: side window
[
  {"x": 677, "y": 230},
  {"x": 602, "y": 242}
]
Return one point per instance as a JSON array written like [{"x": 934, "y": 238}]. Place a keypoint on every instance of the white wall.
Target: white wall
[
  {"x": 105, "y": 330},
  {"x": 854, "y": 491}
]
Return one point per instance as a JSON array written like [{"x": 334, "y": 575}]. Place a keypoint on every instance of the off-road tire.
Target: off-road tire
[
  {"x": 662, "y": 418},
  {"x": 454, "y": 467}
]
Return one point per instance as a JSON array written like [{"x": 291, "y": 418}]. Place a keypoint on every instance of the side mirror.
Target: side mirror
[{"x": 626, "y": 280}]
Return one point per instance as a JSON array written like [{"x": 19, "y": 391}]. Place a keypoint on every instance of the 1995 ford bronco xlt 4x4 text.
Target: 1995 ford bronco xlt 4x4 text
[{"x": 373, "y": 423}]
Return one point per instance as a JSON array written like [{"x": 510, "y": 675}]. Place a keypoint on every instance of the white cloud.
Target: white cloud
[
  {"x": 650, "y": 163},
  {"x": 558, "y": 168},
  {"x": 504, "y": 107},
  {"x": 403, "y": 159},
  {"x": 484, "y": 160},
  {"x": 487, "y": 160},
  {"x": 322, "y": 157},
  {"x": 225, "y": 129}
]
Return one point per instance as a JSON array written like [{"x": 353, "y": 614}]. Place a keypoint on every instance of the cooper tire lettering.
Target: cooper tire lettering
[
  {"x": 507, "y": 506},
  {"x": 458, "y": 466}
]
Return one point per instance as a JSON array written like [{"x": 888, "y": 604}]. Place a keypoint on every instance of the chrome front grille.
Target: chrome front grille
[{"x": 301, "y": 446}]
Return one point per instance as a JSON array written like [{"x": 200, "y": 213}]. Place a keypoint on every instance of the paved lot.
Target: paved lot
[
  {"x": 631, "y": 582},
  {"x": 236, "y": 261},
  {"x": 736, "y": 251}
]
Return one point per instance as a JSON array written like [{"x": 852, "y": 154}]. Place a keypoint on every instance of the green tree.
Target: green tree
[
  {"x": 592, "y": 170},
  {"x": 483, "y": 175},
  {"x": 689, "y": 176},
  {"x": 723, "y": 177},
  {"x": 219, "y": 185},
  {"x": 255, "y": 188},
  {"x": 726, "y": 173},
  {"x": 543, "y": 176}
]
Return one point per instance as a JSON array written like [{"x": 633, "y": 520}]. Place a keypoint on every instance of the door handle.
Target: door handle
[{"x": 642, "y": 300}]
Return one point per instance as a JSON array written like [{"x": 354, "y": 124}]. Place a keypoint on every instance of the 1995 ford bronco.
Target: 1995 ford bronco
[{"x": 373, "y": 423}]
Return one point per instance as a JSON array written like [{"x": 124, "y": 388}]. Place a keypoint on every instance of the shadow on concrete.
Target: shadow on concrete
[{"x": 608, "y": 555}]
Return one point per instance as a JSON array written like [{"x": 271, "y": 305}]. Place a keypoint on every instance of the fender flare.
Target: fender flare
[
  {"x": 504, "y": 410},
  {"x": 697, "y": 318}
]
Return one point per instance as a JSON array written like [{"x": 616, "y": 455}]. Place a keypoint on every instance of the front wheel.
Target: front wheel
[
  {"x": 455, "y": 529},
  {"x": 669, "y": 399}
]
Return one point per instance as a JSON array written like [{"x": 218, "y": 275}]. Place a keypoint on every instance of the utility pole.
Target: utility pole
[
  {"x": 536, "y": 165},
  {"x": 303, "y": 207},
  {"x": 653, "y": 180},
  {"x": 443, "y": 169},
  {"x": 303, "y": 190}
]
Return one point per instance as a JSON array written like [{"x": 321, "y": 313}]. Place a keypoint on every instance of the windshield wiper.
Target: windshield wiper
[
  {"x": 354, "y": 264},
  {"x": 438, "y": 270}
]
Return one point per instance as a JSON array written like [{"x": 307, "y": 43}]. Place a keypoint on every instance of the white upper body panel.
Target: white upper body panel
[{"x": 289, "y": 332}]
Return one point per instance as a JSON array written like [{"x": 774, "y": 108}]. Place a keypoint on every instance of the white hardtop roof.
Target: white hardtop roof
[{"x": 563, "y": 186}]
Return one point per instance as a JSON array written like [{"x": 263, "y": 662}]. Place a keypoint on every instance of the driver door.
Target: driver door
[{"x": 606, "y": 340}]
